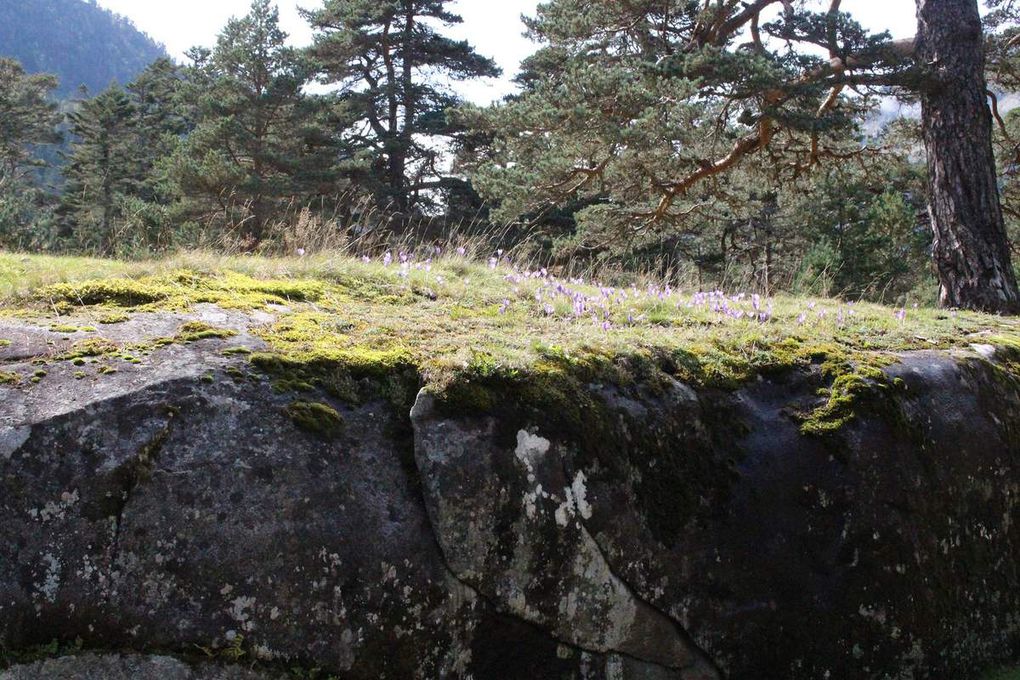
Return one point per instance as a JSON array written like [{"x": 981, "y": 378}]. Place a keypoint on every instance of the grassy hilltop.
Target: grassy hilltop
[{"x": 450, "y": 317}]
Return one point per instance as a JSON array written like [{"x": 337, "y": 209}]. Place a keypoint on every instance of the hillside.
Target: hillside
[{"x": 76, "y": 40}]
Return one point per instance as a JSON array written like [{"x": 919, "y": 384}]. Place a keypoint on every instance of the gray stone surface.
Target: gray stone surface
[
  {"x": 649, "y": 533},
  {"x": 130, "y": 667}
]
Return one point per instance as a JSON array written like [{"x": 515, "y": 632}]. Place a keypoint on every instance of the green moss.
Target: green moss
[
  {"x": 5, "y": 342},
  {"x": 120, "y": 292},
  {"x": 194, "y": 331},
  {"x": 107, "y": 370},
  {"x": 80, "y": 375},
  {"x": 9, "y": 378},
  {"x": 316, "y": 418},
  {"x": 854, "y": 387},
  {"x": 60, "y": 328},
  {"x": 178, "y": 290},
  {"x": 93, "y": 347},
  {"x": 1003, "y": 674},
  {"x": 359, "y": 330},
  {"x": 236, "y": 373},
  {"x": 111, "y": 318}
]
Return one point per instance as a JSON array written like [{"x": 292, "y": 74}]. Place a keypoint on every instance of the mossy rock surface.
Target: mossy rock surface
[{"x": 396, "y": 471}]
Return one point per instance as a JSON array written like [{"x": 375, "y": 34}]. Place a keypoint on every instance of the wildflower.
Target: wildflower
[
  {"x": 461, "y": 251},
  {"x": 503, "y": 308},
  {"x": 387, "y": 259},
  {"x": 606, "y": 325},
  {"x": 549, "y": 310},
  {"x": 493, "y": 262},
  {"x": 802, "y": 319},
  {"x": 901, "y": 315},
  {"x": 366, "y": 259},
  {"x": 300, "y": 252}
]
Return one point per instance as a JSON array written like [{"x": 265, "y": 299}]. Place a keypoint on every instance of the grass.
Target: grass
[
  {"x": 451, "y": 315},
  {"x": 1004, "y": 674}
]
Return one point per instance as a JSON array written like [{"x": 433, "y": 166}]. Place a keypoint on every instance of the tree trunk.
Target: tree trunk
[{"x": 971, "y": 250}]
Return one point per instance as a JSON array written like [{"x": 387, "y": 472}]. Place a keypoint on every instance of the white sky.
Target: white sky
[{"x": 492, "y": 26}]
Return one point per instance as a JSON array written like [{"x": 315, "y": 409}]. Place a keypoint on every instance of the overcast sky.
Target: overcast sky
[{"x": 493, "y": 26}]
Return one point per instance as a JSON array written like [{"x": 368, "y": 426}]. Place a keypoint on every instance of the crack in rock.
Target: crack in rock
[
  {"x": 596, "y": 610},
  {"x": 139, "y": 470}
]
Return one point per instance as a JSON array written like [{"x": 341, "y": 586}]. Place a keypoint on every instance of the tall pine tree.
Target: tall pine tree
[
  {"x": 28, "y": 120},
  {"x": 388, "y": 59},
  {"x": 242, "y": 160},
  {"x": 102, "y": 168},
  {"x": 649, "y": 105}
]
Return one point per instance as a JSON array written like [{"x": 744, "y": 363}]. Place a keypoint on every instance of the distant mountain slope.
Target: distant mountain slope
[{"x": 78, "y": 41}]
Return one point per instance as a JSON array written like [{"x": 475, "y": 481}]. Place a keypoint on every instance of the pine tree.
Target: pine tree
[
  {"x": 650, "y": 105},
  {"x": 28, "y": 120},
  {"x": 163, "y": 119},
  {"x": 388, "y": 58},
  {"x": 243, "y": 157},
  {"x": 28, "y": 116},
  {"x": 103, "y": 167}
]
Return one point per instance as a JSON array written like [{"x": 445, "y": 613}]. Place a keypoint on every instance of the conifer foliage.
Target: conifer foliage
[
  {"x": 389, "y": 60},
  {"x": 244, "y": 155},
  {"x": 735, "y": 143},
  {"x": 28, "y": 121}
]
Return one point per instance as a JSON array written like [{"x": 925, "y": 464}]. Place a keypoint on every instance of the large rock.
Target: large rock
[
  {"x": 638, "y": 531},
  {"x": 130, "y": 667}
]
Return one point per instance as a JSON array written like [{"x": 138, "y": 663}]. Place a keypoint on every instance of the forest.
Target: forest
[
  {"x": 717, "y": 145},
  {"x": 78, "y": 41}
]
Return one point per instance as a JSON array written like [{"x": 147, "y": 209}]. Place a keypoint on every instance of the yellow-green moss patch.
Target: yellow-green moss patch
[
  {"x": 194, "y": 331},
  {"x": 315, "y": 417},
  {"x": 93, "y": 347},
  {"x": 64, "y": 328},
  {"x": 112, "y": 318}
]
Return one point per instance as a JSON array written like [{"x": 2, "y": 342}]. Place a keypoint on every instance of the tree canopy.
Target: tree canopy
[
  {"x": 731, "y": 143},
  {"x": 388, "y": 60}
]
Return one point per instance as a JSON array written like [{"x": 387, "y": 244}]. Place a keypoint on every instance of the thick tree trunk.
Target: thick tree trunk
[{"x": 971, "y": 249}]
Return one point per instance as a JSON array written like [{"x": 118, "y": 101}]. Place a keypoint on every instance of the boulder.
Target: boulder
[{"x": 176, "y": 503}]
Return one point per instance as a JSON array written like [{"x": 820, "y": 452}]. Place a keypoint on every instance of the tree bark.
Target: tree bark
[{"x": 971, "y": 250}]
